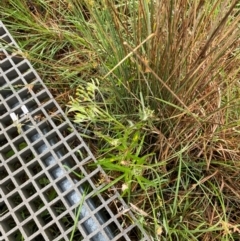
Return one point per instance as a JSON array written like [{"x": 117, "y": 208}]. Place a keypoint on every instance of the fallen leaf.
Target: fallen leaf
[
  {"x": 159, "y": 231},
  {"x": 29, "y": 87},
  {"x": 124, "y": 187}
]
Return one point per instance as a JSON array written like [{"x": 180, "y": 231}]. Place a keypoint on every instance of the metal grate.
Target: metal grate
[{"x": 47, "y": 185}]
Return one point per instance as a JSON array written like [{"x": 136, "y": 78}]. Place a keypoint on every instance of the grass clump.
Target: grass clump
[{"x": 157, "y": 88}]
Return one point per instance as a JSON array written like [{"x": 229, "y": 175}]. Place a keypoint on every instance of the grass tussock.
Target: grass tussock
[{"x": 157, "y": 88}]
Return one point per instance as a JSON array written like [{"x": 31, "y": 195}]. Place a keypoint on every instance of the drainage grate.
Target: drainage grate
[{"x": 47, "y": 185}]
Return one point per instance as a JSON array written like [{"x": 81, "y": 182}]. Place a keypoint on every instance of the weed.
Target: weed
[{"x": 157, "y": 83}]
